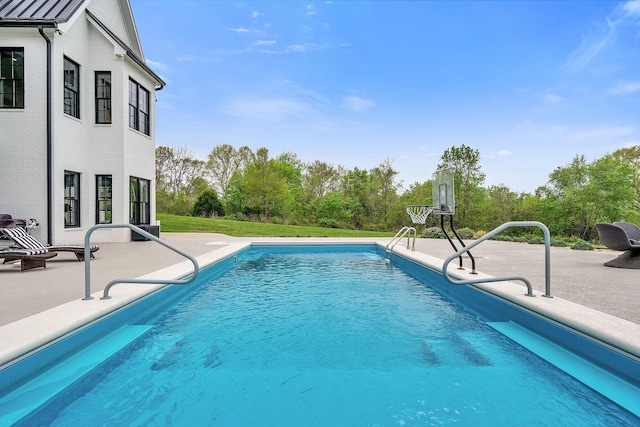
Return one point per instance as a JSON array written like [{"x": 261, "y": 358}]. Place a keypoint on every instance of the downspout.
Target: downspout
[{"x": 49, "y": 142}]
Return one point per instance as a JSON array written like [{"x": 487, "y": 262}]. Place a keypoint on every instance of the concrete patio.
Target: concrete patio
[{"x": 577, "y": 276}]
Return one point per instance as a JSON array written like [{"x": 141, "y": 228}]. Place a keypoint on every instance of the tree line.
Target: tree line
[{"x": 241, "y": 184}]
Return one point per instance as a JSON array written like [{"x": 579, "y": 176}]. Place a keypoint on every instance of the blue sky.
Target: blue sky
[{"x": 530, "y": 84}]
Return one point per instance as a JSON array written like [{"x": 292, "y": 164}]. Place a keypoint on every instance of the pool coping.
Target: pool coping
[{"x": 49, "y": 325}]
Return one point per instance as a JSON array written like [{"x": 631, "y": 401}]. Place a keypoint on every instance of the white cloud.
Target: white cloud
[
  {"x": 625, "y": 88},
  {"x": 156, "y": 65},
  {"x": 266, "y": 108},
  {"x": 255, "y": 14},
  {"x": 605, "y": 34},
  {"x": 603, "y": 133},
  {"x": 296, "y": 48},
  {"x": 355, "y": 103},
  {"x": 192, "y": 58},
  {"x": 263, "y": 43},
  {"x": 632, "y": 9},
  {"x": 310, "y": 10},
  {"x": 553, "y": 98},
  {"x": 239, "y": 30},
  {"x": 501, "y": 153}
]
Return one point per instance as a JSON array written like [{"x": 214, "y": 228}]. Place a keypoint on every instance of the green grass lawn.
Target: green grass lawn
[{"x": 187, "y": 224}]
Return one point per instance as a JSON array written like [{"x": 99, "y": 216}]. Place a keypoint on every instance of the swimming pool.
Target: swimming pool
[{"x": 310, "y": 336}]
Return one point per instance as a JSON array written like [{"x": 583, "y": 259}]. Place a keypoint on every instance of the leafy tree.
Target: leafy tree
[
  {"x": 355, "y": 187},
  {"x": 465, "y": 161},
  {"x": 320, "y": 178},
  {"x": 498, "y": 207},
  {"x": 265, "y": 187},
  {"x": 581, "y": 194},
  {"x": 234, "y": 198},
  {"x": 384, "y": 195},
  {"x": 290, "y": 167},
  {"x": 418, "y": 194},
  {"x": 332, "y": 210},
  {"x": 178, "y": 179},
  {"x": 207, "y": 204},
  {"x": 223, "y": 161},
  {"x": 631, "y": 156}
]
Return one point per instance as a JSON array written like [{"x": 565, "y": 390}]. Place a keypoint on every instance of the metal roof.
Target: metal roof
[{"x": 37, "y": 11}]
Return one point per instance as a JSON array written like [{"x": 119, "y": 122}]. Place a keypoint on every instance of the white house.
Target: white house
[{"x": 77, "y": 108}]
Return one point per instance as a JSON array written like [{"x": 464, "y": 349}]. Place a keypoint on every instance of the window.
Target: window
[
  {"x": 139, "y": 108},
  {"x": 139, "y": 201},
  {"x": 103, "y": 96},
  {"x": 103, "y": 199},
  {"x": 71, "y": 199},
  {"x": 11, "y": 77},
  {"x": 71, "y": 88}
]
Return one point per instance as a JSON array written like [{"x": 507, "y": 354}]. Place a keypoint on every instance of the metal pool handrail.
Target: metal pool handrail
[
  {"x": 404, "y": 231},
  {"x": 87, "y": 264},
  {"x": 547, "y": 258}
]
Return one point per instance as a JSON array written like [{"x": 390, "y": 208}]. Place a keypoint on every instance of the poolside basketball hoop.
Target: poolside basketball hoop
[{"x": 419, "y": 213}]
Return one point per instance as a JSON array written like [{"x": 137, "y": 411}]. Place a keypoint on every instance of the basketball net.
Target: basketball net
[{"x": 419, "y": 213}]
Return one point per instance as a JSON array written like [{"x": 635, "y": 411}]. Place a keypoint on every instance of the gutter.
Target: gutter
[{"x": 49, "y": 142}]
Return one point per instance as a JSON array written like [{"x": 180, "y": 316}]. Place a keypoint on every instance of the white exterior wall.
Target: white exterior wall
[
  {"x": 79, "y": 145},
  {"x": 23, "y": 135}
]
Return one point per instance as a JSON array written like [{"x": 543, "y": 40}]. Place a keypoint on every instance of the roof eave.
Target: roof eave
[{"x": 136, "y": 59}]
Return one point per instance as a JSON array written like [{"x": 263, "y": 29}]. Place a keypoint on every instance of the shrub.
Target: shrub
[
  {"x": 207, "y": 205},
  {"x": 478, "y": 234},
  {"x": 558, "y": 243},
  {"x": 582, "y": 246},
  {"x": 536, "y": 240},
  {"x": 500, "y": 238},
  {"x": 466, "y": 233},
  {"x": 520, "y": 239},
  {"x": 432, "y": 233},
  {"x": 329, "y": 223}
]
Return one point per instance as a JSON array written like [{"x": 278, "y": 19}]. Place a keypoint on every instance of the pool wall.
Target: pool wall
[
  {"x": 613, "y": 350},
  {"x": 496, "y": 308}
]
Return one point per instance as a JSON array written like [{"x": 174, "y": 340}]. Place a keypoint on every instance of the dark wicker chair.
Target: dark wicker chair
[
  {"x": 7, "y": 221},
  {"x": 615, "y": 236}
]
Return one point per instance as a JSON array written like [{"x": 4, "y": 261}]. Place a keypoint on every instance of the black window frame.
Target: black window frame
[
  {"x": 139, "y": 117},
  {"x": 72, "y": 199},
  {"x": 103, "y": 97},
  {"x": 71, "y": 88},
  {"x": 104, "y": 199},
  {"x": 12, "y": 77},
  {"x": 139, "y": 201}
]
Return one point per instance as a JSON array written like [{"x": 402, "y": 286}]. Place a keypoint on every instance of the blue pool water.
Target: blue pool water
[{"x": 312, "y": 337}]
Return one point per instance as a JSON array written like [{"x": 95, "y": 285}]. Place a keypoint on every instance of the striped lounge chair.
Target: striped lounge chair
[
  {"x": 25, "y": 241},
  {"x": 29, "y": 258}
]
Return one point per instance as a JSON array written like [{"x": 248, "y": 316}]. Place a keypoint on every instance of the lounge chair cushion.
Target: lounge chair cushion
[{"x": 27, "y": 241}]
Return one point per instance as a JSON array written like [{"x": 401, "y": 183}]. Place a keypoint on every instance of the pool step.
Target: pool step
[
  {"x": 454, "y": 349},
  {"x": 36, "y": 392},
  {"x": 605, "y": 383}
]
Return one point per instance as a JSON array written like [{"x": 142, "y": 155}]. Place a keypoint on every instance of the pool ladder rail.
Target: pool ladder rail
[
  {"x": 547, "y": 259},
  {"x": 87, "y": 264},
  {"x": 404, "y": 231}
]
